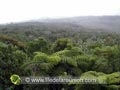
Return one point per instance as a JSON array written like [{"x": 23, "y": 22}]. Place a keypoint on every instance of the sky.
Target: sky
[{"x": 23, "y": 10}]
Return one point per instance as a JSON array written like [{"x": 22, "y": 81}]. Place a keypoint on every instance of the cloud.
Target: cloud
[{"x": 19, "y": 10}]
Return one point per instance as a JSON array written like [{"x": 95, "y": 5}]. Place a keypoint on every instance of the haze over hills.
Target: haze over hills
[{"x": 82, "y": 23}]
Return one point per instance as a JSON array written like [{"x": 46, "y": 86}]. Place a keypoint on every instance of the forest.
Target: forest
[{"x": 28, "y": 51}]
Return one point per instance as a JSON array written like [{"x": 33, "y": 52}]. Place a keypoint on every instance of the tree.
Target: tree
[
  {"x": 11, "y": 59},
  {"x": 40, "y": 44},
  {"x": 61, "y": 44},
  {"x": 41, "y": 63}
]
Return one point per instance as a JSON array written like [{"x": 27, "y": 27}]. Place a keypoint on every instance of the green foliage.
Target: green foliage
[
  {"x": 108, "y": 59},
  {"x": 9, "y": 40},
  {"x": 39, "y": 44},
  {"x": 3, "y": 45},
  {"x": 106, "y": 51},
  {"x": 86, "y": 62},
  {"x": 86, "y": 57},
  {"x": 69, "y": 56},
  {"x": 11, "y": 59},
  {"x": 114, "y": 78},
  {"x": 61, "y": 44},
  {"x": 42, "y": 61},
  {"x": 105, "y": 81}
]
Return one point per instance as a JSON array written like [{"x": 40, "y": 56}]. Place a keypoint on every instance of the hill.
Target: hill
[{"x": 57, "y": 27}]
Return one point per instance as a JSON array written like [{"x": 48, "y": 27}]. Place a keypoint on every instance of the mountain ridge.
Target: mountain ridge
[{"x": 82, "y": 23}]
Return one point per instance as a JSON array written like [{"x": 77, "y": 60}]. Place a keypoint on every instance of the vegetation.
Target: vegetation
[{"x": 34, "y": 52}]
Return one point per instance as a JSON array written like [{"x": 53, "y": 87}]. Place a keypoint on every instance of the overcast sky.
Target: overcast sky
[{"x": 22, "y": 10}]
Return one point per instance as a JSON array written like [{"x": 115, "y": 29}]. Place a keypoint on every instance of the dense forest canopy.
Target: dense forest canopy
[{"x": 65, "y": 47}]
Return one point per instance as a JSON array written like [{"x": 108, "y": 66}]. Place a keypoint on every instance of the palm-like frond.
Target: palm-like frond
[{"x": 42, "y": 61}]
